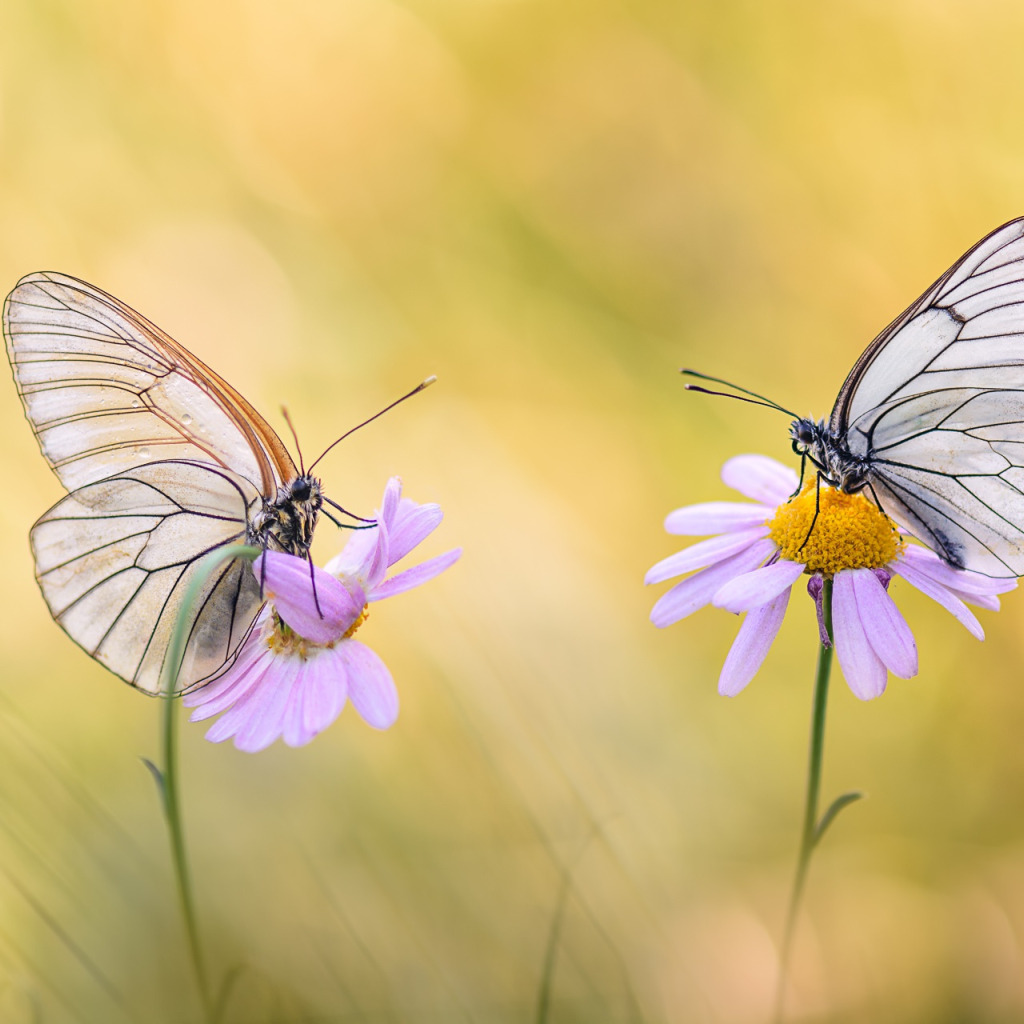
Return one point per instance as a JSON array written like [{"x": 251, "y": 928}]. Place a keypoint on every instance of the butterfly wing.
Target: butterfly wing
[
  {"x": 936, "y": 406},
  {"x": 114, "y": 558},
  {"x": 164, "y": 460},
  {"x": 105, "y": 390}
]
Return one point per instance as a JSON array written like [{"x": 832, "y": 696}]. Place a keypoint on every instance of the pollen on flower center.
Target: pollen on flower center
[
  {"x": 363, "y": 616},
  {"x": 850, "y": 532}
]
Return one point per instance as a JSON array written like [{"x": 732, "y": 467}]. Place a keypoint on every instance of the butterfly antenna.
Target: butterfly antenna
[
  {"x": 295, "y": 437},
  {"x": 415, "y": 391},
  {"x": 754, "y": 398}
]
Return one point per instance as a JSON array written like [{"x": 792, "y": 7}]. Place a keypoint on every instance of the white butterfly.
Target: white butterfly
[
  {"x": 164, "y": 462},
  {"x": 930, "y": 419}
]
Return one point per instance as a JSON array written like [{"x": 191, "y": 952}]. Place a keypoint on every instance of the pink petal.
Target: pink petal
[
  {"x": 702, "y": 554},
  {"x": 374, "y": 568},
  {"x": 370, "y": 686},
  {"x": 415, "y": 576},
  {"x": 696, "y": 591},
  {"x": 864, "y": 671},
  {"x": 257, "y": 718},
  {"x": 288, "y": 582},
  {"x": 757, "y": 588},
  {"x": 756, "y": 635},
  {"x": 717, "y": 517},
  {"x": 937, "y": 592},
  {"x": 413, "y": 524},
  {"x": 390, "y": 502},
  {"x": 960, "y": 580},
  {"x": 357, "y": 553},
  {"x": 886, "y": 629},
  {"x": 760, "y": 478},
  {"x": 326, "y": 690}
]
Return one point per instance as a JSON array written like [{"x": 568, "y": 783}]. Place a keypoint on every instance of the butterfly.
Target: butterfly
[
  {"x": 930, "y": 420},
  {"x": 164, "y": 461}
]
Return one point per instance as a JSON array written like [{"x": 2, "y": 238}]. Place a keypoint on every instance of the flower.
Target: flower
[
  {"x": 762, "y": 549},
  {"x": 301, "y": 663}
]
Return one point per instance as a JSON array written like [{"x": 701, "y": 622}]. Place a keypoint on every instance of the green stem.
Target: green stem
[
  {"x": 172, "y": 810},
  {"x": 168, "y": 777},
  {"x": 810, "y": 833}
]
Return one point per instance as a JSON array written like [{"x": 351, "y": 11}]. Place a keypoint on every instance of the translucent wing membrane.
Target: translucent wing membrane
[
  {"x": 105, "y": 390},
  {"x": 936, "y": 408},
  {"x": 114, "y": 558},
  {"x": 165, "y": 462}
]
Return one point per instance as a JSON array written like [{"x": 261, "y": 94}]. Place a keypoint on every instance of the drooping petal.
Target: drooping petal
[
  {"x": 370, "y": 686},
  {"x": 244, "y": 675},
  {"x": 262, "y": 716},
  {"x": 760, "y": 478},
  {"x": 756, "y": 634},
  {"x": 937, "y": 592},
  {"x": 317, "y": 697},
  {"x": 716, "y": 517},
  {"x": 703, "y": 554},
  {"x": 757, "y": 588},
  {"x": 886, "y": 629},
  {"x": 696, "y": 591},
  {"x": 864, "y": 671},
  {"x": 960, "y": 580},
  {"x": 414, "y": 576},
  {"x": 288, "y": 581},
  {"x": 325, "y": 690},
  {"x": 412, "y": 525}
]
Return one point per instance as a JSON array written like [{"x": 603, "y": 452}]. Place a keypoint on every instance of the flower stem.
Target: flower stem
[
  {"x": 811, "y": 831},
  {"x": 167, "y": 777},
  {"x": 178, "y": 857}
]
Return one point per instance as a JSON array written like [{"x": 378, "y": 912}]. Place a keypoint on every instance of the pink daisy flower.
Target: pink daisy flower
[
  {"x": 762, "y": 550},
  {"x": 299, "y": 665}
]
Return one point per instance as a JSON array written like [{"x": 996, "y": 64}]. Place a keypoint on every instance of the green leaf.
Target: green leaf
[{"x": 833, "y": 809}]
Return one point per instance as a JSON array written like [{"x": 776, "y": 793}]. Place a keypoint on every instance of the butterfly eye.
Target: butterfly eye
[{"x": 300, "y": 490}]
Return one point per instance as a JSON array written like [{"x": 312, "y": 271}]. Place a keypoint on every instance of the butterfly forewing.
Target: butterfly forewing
[
  {"x": 165, "y": 462},
  {"x": 105, "y": 390},
  {"x": 936, "y": 408}
]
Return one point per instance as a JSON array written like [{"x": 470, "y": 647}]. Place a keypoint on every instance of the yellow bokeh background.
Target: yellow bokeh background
[{"x": 552, "y": 206}]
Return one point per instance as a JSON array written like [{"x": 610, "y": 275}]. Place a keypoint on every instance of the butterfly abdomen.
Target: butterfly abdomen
[{"x": 287, "y": 523}]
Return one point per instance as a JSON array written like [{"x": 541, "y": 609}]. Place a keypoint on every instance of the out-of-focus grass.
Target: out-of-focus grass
[{"x": 552, "y": 207}]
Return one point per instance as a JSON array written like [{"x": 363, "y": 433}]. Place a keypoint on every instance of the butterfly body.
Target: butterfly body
[
  {"x": 287, "y": 522},
  {"x": 828, "y": 452}
]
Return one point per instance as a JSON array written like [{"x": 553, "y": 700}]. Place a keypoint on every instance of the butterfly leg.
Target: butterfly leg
[{"x": 817, "y": 508}]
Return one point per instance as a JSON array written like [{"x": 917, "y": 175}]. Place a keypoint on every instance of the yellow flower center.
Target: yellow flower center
[
  {"x": 850, "y": 532},
  {"x": 363, "y": 616}
]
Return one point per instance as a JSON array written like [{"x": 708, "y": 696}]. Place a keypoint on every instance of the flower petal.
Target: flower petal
[
  {"x": 412, "y": 525},
  {"x": 702, "y": 554},
  {"x": 414, "y": 576},
  {"x": 696, "y": 591},
  {"x": 288, "y": 582},
  {"x": 886, "y": 629},
  {"x": 716, "y": 517},
  {"x": 757, "y": 588},
  {"x": 937, "y": 592},
  {"x": 370, "y": 686},
  {"x": 961, "y": 581},
  {"x": 756, "y": 635},
  {"x": 356, "y": 555},
  {"x": 325, "y": 692},
  {"x": 760, "y": 478},
  {"x": 252, "y": 662},
  {"x": 864, "y": 671}
]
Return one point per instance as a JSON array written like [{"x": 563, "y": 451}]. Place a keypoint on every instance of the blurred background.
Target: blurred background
[{"x": 552, "y": 206}]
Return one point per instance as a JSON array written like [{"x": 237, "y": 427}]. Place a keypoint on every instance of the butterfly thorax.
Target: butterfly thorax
[
  {"x": 830, "y": 454},
  {"x": 286, "y": 523}
]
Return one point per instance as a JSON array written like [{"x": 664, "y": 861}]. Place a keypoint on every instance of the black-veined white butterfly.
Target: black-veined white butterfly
[
  {"x": 164, "y": 462},
  {"x": 930, "y": 419}
]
